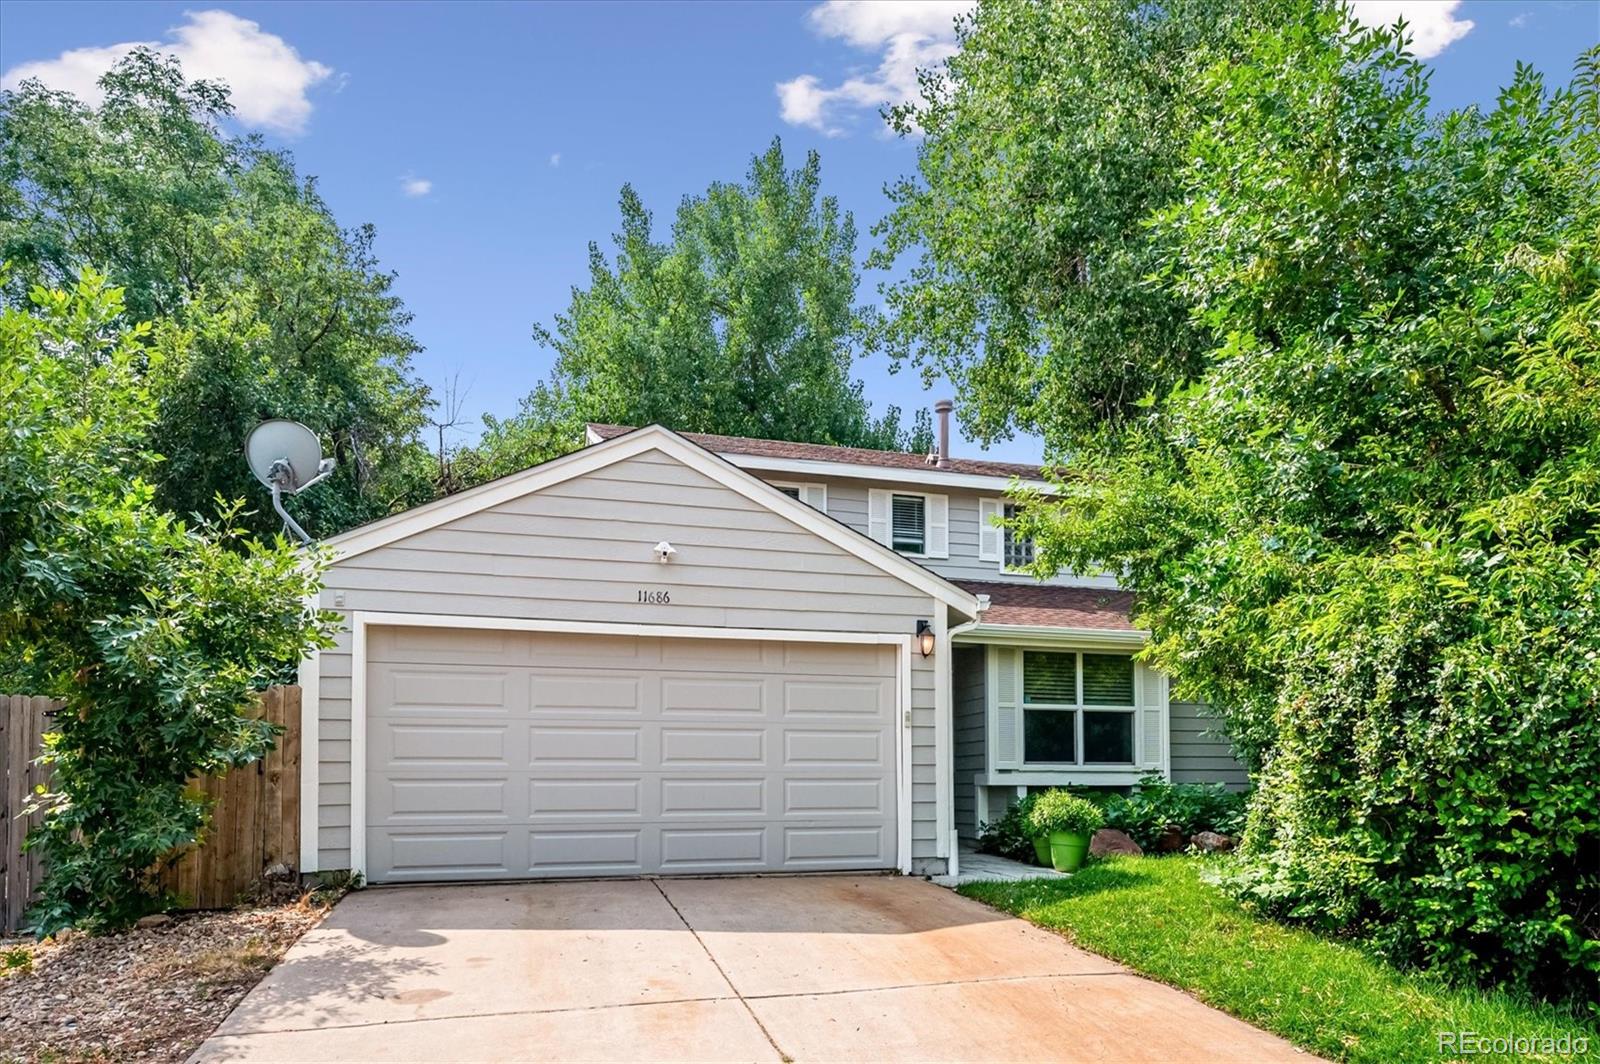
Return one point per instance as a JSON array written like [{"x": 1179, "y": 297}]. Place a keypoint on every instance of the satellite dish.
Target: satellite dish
[{"x": 286, "y": 457}]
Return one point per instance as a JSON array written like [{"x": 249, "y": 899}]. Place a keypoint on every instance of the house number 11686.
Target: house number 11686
[{"x": 654, "y": 598}]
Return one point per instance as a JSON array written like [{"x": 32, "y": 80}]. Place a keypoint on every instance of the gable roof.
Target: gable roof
[
  {"x": 856, "y": 456},
  {"x": 652, "y": 438}
]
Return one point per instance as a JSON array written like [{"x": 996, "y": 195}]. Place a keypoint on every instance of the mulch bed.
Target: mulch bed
[{"x": 150, "y": 994}]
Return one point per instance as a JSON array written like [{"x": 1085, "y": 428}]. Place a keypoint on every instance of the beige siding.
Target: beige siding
[
  {"x": 1200, "y": 752},
  {"x": 580, "y": 551}
]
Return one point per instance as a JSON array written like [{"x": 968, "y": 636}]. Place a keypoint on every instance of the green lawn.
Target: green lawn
[{"x": 1157, "y": 915}]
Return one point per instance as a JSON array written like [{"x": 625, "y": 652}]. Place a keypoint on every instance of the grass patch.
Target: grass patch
[{"x": 1158, "y": 916}]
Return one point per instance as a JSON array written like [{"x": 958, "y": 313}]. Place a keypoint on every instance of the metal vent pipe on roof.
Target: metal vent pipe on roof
[{"x": 942, "y": 408}]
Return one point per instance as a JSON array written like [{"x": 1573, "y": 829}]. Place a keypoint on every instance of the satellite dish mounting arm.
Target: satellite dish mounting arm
[
  {"x": 280, "y": 452},
  {"x": 281, "y": 477}
]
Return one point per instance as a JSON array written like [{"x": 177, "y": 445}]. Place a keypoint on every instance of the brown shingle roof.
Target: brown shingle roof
[
  {"x": 1046, "y": 605},
  {"x": 817, "y": 452}
]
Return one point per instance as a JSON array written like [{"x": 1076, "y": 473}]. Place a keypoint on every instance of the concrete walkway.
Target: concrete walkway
[{"x": 805, "y": 968}]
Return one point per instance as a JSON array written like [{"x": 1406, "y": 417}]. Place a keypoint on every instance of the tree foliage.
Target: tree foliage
[
  {"x": 153, "y": 632},
  {"x": 744, "y": 324},
  {"x": 284, "y": 313},
  {"x": 1362, "y": 517}
]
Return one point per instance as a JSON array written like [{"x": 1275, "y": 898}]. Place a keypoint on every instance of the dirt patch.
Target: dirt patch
[{"x": 150, "y": 994}]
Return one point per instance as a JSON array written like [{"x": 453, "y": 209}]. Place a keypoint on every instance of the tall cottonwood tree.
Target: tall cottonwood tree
[
  {"x": 287, "y": 314},
  {"x": 1335, "y": 427},
  {"x": 744, "y": 323}
]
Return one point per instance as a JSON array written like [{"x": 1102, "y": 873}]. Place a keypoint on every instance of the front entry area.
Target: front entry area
[{"x": 495, "y": 754}]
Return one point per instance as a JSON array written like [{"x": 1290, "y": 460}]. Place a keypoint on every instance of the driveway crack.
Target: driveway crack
[{"x": 786, "y": 1058}]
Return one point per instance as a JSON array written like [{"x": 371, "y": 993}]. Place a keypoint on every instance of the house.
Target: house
[{"x": 695, "y": 654}]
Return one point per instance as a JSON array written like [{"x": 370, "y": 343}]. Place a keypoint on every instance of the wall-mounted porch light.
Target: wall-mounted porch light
[{"x": 925, "y": 637}]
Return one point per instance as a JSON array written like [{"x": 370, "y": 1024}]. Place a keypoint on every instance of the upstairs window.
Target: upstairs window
[
  {"x": 908, "y": 523},
  {"x": 1017, "y": 549},
  {"x": 915, "y": 523},
  {"x": 813, "y": 495}
]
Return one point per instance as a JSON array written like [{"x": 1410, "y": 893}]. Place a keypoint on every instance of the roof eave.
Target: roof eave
[{"x": 1049, "y": 635}]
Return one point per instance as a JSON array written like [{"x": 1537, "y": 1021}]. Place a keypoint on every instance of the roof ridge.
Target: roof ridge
[{"x": 866, "y": 456}]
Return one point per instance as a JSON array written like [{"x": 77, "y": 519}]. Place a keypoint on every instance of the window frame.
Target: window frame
[
  {"x": 1008, "y": 512},
  {"x": 922, "y": 498},
  {"x": 1078, "y": 708},
  {"x": 800, "y": 488}
]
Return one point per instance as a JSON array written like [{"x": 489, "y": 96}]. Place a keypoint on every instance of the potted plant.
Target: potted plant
[
  {"x": 1068, "y": 821},
  {"x": 1041, "y": 842}
]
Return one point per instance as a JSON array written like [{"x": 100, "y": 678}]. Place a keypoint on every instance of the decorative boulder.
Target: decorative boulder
[
  {"x": 153, "y": 920},
  {"x": 1108, "y": 841},
  {"x": 1211, "y": 842},
  {"x": 1171, "y": 839}
]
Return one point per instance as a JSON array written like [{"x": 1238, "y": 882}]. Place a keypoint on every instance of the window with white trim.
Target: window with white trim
[
  {"x": 915, "y": 523},
  {"x": 813, "y": 495},
  {"x": 908, "y": 523},
  {"x": 1077, "y": 708},
  {"x": 1016, "y": 551}
]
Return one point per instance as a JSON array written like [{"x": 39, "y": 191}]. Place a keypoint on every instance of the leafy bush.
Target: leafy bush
[
  {"x": 1061, "y": 810},
  {"x": 1349, "y": 465},
  {"x": 1010, "y": 836},
  {"x": 153, "y": 633},
  {"x": 1193, "y": 807}
]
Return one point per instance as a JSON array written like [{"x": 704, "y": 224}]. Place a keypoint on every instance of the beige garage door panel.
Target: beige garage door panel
[{"x": 510, "y": 754}]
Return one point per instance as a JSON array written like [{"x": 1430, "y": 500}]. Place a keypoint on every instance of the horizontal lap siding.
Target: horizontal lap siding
[
  {"x": 967, "y": 711},
  {"x": 579, "y": 550},
  {"x": 1200, "y": 753},
  {"x": 847, "y": 502}
]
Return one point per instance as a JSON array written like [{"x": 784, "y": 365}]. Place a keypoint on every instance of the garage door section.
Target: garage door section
[{"x": 514, "y": 754}]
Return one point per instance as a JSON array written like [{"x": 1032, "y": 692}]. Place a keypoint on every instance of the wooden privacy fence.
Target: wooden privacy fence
[{"x": 255, "y": 821}]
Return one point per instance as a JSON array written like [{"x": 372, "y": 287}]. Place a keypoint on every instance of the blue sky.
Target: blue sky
[{"x": 487, "y": 142}]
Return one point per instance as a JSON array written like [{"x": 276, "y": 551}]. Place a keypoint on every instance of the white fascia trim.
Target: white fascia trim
[
  {"x": 618, "y": 448},
  {"x": 933, "y": 480},
  {"x": 943, "y": 737},
  {"x": 361, "y": 620},
  {"x": 310, "y": 680},
  {"x": 1040, "y": 635}
]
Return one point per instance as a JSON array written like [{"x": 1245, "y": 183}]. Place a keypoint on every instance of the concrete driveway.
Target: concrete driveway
[{"x": 805, "y": 968}]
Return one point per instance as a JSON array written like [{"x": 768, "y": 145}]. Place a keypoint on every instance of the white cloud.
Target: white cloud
[
  {"x": 415, "y": 187},
  {"x": 555, "y": 159},
  {"x": 1432, "y": 23},
  {"x": 1520, "y": 19},
  {"x": 268, "y": 77},
  {"x": 910, "y": 34}
]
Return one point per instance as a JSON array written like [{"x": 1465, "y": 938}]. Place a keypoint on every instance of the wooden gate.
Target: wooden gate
[{"x": 255, "y": 821}]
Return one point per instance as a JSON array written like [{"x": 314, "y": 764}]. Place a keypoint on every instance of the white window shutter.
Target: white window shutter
[
  {"x": 989, "y": 535},
  {"x": 1007, "y": 712},
  {"x": 1152, "y": 697},
  {"x": 938, "y": 511},
  {"x": 878, "y": 516},
  {"x": 815, "y": 496}
]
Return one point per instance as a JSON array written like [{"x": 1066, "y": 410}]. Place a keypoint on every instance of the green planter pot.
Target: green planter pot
[
  {"x": 1068, "y": 850},
  {"x": 1041, "y": 849}
]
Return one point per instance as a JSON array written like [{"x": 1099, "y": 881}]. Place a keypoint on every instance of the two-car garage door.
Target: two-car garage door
[{"x": 502, "y": 754}]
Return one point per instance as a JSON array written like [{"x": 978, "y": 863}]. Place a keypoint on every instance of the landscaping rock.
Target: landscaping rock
[
  {"x": 1108, "y": 841},
  {"x": 1211, "y": 842},
  {"x": 1171, "y": 840},
  {"x": 153, "y": 920}
]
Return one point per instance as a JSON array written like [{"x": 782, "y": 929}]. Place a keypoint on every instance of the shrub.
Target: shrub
[
  {"x": 1010, "y": 836},
  {"x": 155, "y": 634},
  {"x": 1193, "y": 807},
  {"x": 1059, "y": 810}
]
